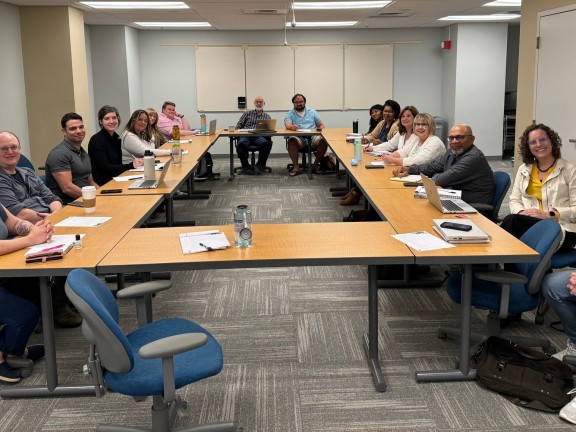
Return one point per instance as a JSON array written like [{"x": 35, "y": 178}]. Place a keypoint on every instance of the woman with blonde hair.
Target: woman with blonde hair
[{"x": 157, "y": 138}]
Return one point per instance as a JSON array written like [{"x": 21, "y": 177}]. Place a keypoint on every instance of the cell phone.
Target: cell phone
[
  {"x": 111, "y": 191},
  {"x": 318, "y": 129},
  {"x": 76, "y": 204},
  {"x": 374, "y": 166},
  {"x": 456, "y": 226},
  {"x": 412, "y": 184}
]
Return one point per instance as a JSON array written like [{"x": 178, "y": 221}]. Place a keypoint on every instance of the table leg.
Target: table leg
[
  {"x": 231, "y": 159},
  {"x": 51, "y": 388},
  {"x": 310, "y": 161},
  {"x": 370, "y": 340},
  {"x": 464, "y": 372}
]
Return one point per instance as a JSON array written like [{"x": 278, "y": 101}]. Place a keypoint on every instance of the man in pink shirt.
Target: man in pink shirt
[{"x": 170, "y": 117}]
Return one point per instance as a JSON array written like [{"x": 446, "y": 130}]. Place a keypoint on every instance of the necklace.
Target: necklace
[{"x": 545, "y": 170}]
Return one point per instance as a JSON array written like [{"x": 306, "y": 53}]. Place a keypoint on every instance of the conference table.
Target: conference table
[{"x": 125, "y": 213}]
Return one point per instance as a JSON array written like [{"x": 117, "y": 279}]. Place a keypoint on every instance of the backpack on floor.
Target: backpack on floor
[{"x": 204, "y": 169}]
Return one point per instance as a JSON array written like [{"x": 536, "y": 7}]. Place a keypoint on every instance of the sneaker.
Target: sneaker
[
  {"x": 247, "y": 171},
  {"x": 66, "y": 317},
  {"x": 569, "y": 350},
  {"x": 259, "y": 169},
  {"x": 568, "y": 413},
  {"x": 9, "y": 375},
  {"x": 35, "y": 352}
]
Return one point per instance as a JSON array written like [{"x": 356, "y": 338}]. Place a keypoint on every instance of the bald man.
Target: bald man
[
  {"x": 264, "y": 144},
  {"x": 464, "y": 168}
]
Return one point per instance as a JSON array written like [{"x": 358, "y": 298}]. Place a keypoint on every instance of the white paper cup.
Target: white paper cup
[
  {"x": 89, "y": 198},
  {"x": 231, "y": 128}
]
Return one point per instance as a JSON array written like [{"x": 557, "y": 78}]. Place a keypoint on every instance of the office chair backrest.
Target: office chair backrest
[
  {"x": 544, "y": 237},
  {"x": 502, "y": 184},
  {"x": 24, "y": 162},
  {"x": 99, "y": 309}
]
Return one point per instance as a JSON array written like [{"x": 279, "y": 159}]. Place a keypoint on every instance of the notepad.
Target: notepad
[
  {"x": 203, "y": 241},
  {"x": 413, "y": 178},
  {"x": 53, "y": 250}
]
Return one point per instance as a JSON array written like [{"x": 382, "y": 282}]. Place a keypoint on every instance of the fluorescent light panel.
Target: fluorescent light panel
[
  {"x": 505, "y": 3},
  {"x": 323, "y": 24},
  {"x": 494, "y": 17},
  {"x": 173, "y": 24},
  {"x": 135, "y": 5},
  {"x": 340, "y": 5}
]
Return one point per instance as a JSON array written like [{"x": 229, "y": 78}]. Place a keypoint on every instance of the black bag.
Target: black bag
[
  {"x": 523, "y": 375},
  {"x": 369, "y": 215},
  {"x": 204, "y": 169}
]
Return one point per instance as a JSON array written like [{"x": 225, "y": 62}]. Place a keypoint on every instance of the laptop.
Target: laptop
[
  {"x": 446, "y": 206},
  {"x": 475, "y": 235},
  {"x": 264, "y": 126},
  {"x": 211, "y": 129},
  {"x": 151, "y": 184}
]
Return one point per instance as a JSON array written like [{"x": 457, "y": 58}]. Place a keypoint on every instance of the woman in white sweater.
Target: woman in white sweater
[
  {"x": 424, "y": 149},
  {"x": 136, "y": 138},
  {"x": 405, "y": 136}
]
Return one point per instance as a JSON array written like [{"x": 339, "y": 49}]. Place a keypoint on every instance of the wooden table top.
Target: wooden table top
[
  {"x": 274, "y": 245},
  {"x": 126, "y": 213},
  {"x": 336, "y": 133},
  {"x": 408, "y": 214},
  {"x": 277, "y": 132}
]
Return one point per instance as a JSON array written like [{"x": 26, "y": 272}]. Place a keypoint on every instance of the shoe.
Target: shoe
[
  {"x": 353, "y": 199},
  {"x": 294, "y": 173},
  {"x": 259, "y": 169},
  {"x": 9, "y": 375},
  {"x": 569, "y": 350},
  {"x": 346, "y": 196},
  {"x": 35, "y": 352},
  {"x": 66, "y": 317},
  {"x": 568, "y": 413},
  {"x": 247, "y": 171}
]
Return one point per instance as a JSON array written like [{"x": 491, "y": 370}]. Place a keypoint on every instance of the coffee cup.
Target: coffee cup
[
  {"x": 89, "y": 198},
  {"x": 231, "y": 128}
]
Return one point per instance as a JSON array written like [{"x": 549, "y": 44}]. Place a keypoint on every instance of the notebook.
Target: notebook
[
  {"x": 264, "y": 126},
  {"x": 151, "y": 184},
  {"x": 475, "y": 235},
  {"x": 446, "y": 206},
  {"x": 211, "y": 129}
]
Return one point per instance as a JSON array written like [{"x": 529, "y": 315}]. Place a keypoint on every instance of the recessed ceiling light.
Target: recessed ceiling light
[
  {"x": 507, "y": 3},
  {"x": 340, "y": 5},
  {"x": 322, "y": 24},
  {"x": 493, "y": 17},
  {"x": 173, "y": 24},
  {"x": 135, "y": 5}
]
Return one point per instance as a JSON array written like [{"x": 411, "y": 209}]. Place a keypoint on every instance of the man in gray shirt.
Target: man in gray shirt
[
  {"x": 68, "y": 166},
  {"x": 463, "y": 168}
]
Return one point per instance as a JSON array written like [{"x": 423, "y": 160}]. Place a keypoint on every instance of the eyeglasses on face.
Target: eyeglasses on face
[
  {"x": 422, "y": 124},
  {"x": 9, "y": 148},
  {"x": 388, "y": 112},
  {"x": 541, "y": 140},
  {"x": 457, "y": 137}
]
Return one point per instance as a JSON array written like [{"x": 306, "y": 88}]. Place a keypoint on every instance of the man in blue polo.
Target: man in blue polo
[{"x": 301, "y": 117}]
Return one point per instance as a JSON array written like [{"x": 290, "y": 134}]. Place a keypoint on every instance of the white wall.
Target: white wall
[
  {"x": 13, "y": 115},
  {"x": 133, "y": 67}
]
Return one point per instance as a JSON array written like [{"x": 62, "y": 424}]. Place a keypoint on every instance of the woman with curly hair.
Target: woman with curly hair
[{"x": 545, "y": 186}]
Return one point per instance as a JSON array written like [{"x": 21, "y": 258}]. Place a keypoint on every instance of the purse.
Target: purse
[{"x": 525, "y": 376}]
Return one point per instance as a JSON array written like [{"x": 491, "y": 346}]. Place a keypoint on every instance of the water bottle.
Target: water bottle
[
  {"x": 149, "y": 168},
  {"x": 202, "y": 123},
  {"x": 358, "y": 149},
  {"x": 355, "y": 126},
  {"x": 176, "y": 153},
  {"x": 176, "y": 133},
  {"x": 243, "y": 226}
]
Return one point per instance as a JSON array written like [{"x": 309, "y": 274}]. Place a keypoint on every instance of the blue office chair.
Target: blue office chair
[
  {"x": 504, "y": 292},
  {"x": 24, "y": 162},
  {"x": 154, "y": 360},
  {"x": 502, "y": 184}
]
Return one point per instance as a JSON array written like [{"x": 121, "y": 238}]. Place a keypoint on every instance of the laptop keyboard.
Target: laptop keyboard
[
  {"x": 148, "y": 184},
  {"x": 451, "y": 206}
]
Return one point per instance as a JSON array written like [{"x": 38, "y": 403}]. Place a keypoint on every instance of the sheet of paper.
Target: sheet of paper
[
  {"x": 420, "y": 192},
  {"x": 58, "y": 241},
  {"x": 377, "y": 163},
  {"x": 83, "y": 221},
  {"x": 128, "y": 178},
  {"x": 408, "y": 178},
  {"x": 184, "y": 141},
  {"x": 304, "y": 130},
  {"x": 203, "y": 241},
  {"x": 422, "y": 241},
  {"x": 158, "y": 167}
]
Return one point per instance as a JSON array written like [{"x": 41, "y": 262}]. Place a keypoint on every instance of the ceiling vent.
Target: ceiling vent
[
  {"x": 264, "y": 11},
  {"x": 403, "y": 14}
]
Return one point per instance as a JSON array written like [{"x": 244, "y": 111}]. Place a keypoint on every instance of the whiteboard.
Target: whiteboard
[
  {"x": 368, "y": 75},
  {"x": 319, "y": 75},
  {"x": 220, "y": 78},
  {"x": 270, "y": 74}
]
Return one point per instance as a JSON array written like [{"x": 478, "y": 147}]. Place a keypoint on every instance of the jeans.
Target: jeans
[
  {"x": 264, "y": 147},
  {"x": 19, "y": 317},
  {"x": 560, "y": 299}
]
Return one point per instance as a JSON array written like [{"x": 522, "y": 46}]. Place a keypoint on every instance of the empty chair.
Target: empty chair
[{"x": 502, "y": 184}]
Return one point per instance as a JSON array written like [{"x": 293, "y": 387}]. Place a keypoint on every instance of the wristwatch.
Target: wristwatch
[{"x": 553, "y": 215}]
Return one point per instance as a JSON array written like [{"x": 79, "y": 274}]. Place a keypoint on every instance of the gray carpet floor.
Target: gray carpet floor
[{"x": 292, "y": 340}]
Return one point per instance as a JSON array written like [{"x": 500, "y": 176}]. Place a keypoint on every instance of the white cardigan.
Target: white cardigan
[{"x": 134, "y": 147}]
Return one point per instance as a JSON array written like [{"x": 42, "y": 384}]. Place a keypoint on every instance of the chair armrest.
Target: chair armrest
[
  {"x": 501, "y": 276},
  {"x": 140, "y": 290},
  {"x": 482, "y": 207},
  {"x": 172, "y": 345}
]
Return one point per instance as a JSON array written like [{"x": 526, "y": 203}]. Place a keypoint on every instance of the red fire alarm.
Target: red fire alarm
[{"x": 447, "y": 44}]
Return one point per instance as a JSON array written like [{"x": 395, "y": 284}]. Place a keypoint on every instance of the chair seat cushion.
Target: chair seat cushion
[
  {"x": 145, "y": 378},
  {"x": 486, "y": 295},
  {"x": 566, "y": 259}
]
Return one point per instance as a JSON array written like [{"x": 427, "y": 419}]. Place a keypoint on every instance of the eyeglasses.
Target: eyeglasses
[
  {"x": 457, "y": 137},
  {"x": 11, "y": 148},
  {"x": 422, "y": 124},
  {"x": 541, "y": 140},
  {"x": 388, "y": 112}
]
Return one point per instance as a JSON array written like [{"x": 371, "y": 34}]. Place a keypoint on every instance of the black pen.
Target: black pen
[{"x": 206, "y": 247}]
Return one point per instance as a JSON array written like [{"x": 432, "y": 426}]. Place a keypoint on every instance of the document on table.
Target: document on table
[
  {"x": 203, "y": 241},
  {"x": 377, "y": 163},
  {"x": 409, "y": 178},
  {"x": 420, "y": 192},
  {"x": 83, "y": 221},
  {"x": 62, "y": 242},
  {"x": 128, "y": 178},
  {"x": 158, "y": 167},
  {"x": 422, "y": 241}
]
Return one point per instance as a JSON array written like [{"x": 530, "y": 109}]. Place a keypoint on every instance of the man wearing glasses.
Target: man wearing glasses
[{"x": 464, "y": 168}]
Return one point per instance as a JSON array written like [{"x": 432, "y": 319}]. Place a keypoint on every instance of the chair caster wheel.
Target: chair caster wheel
[
  {"x": 442, "y": 335},
  {"x": 549, "y": 350},
  {"x": 539, "y": 320}
]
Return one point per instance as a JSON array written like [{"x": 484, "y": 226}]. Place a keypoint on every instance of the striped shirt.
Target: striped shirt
[{"x": 248, "y": 119}]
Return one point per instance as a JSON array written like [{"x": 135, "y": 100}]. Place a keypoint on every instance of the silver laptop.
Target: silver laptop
[
  {"x": 446, "y": 206},
  {"x": 475, "y": 235},
  {"x": 151, "y": 184},
  {"x": 211, "y": 129},
  {"x": 264, "y": 126}
]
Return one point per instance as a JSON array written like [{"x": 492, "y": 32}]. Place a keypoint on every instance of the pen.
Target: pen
[
  {"x": 60, "y": 246},
  {"x": 205, "y": 247}
]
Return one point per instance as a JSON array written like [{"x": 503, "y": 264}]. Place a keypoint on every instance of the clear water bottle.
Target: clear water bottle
[
  {"x": 243, "y": 226},
  {"x": 358, "y": 149},
  {"x": 176, "y": 153},
  {"x": 202, "y": 123}
]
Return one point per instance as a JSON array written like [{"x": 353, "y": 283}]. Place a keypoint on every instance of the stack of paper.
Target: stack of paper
[
  {"x": 203, "y": 241},
  {"x": 420, "y": 192},
  {"x": 412, "y": 178},
  {"x": 55, "y": 249}
]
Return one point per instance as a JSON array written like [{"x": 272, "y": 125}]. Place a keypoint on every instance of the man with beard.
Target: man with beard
[{"x": 463, "y": 168}]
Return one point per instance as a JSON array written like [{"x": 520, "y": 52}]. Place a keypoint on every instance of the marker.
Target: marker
[
  {"x": 60, "y": 246},
  {"x": 205, "y": 247}
]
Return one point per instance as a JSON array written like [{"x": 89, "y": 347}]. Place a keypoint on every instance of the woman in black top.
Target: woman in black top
[{"x": 104, "y": 148}]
